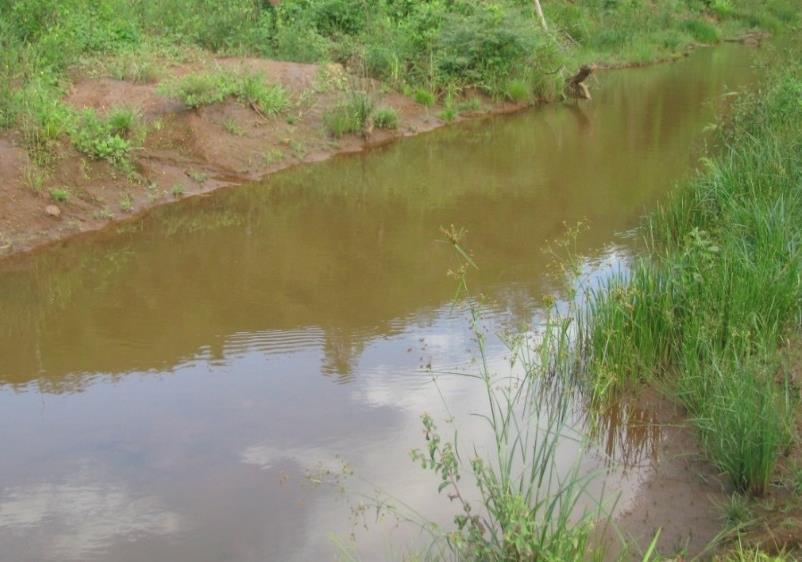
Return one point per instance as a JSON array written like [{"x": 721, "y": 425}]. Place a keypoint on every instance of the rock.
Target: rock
[{"x": 53, "y": 211}]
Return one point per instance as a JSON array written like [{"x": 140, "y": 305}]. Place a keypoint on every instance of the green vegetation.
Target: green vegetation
[
  {"x": 196, "y": 90},
  {"x": 60, "y": 195},
  {"x": 386, "y": 118},
  {"x": 109, "y": 137},
  {"x": 529, "y": 506},
  {"x": 719, "y": 292},
  {"x": 349, "y": 116},
  {"x": 427, "y": 48}
]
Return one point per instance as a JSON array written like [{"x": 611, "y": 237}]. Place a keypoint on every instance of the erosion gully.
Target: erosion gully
[{"x": 170, "y": 387}]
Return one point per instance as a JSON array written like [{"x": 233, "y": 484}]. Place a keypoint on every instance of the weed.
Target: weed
[
  {"x": 349, "y": 116},
  {"x": 60, "y": 195},
  {"x": 272, "y": 156},
  {"x": 736, "y": 512},
  {"x": 107, "y": 138},
  {"x": 196, "y": 90},
  {"x": 386, "y": 118},
  {"x": 516, "y": 90},
  {"x": 177, "y": 190},
  {"x": 126, "y": 203},
  {"x": 424, "y": 97},
  {"x": 199, "y": 89},
  {"x": 134, "y": 67},
  {"x": 198, "y": 176},
  {"x": 449, "y": 113},
  {"x": 267, "y": 99},
  {"x": 469, "y": 105},
  {"x": 232, "y": 127},
  {"x": 34, "y": 177}
]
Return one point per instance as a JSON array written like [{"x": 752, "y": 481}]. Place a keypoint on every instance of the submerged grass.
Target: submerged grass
[{"x": 718, "y": 292}]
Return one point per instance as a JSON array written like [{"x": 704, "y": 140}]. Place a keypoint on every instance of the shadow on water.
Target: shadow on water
[{"x": 161, "y": 384}]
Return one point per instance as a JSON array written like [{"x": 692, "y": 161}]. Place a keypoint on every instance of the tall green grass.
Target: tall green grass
[{"x": 719, "y": 291}]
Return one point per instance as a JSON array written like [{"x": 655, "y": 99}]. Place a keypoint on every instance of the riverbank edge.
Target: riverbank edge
[{"x": 18, "y": 245}]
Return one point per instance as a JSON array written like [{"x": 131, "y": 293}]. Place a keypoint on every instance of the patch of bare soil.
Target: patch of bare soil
[{"x": 187, "y": 152}]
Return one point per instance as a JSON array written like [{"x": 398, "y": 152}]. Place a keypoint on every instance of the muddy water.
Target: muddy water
[{"x": 166, "y": 389}]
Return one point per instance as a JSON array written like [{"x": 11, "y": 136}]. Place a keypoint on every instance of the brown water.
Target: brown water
[{"x": 165, "y": 389}]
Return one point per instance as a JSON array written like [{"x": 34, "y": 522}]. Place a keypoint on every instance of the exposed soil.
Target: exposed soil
[
  {"x": 681, "y": 495},
  {"x": 199, "y": 150}
]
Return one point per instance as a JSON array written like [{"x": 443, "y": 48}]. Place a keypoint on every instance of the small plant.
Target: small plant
[
  {"x": 266, "y": 99},
  {"x": 449, "y": 113},
  {"x": 126, "y": 203},
  {"x": 424, "y": 97},
  {"x": 386, "y": 118},
  {"x": 196, "y": 90},
  {"x": 516, "y": 91},
  {"x": 350, "y": 116},
  {"x": 469, "y": 104},
  {"x": 796, "y": 480},
  {"x": 199, "y": 89},
  {"x": 60, "y": 195},
  {"x": 232, "y": 127},
  {"x": 34, "y": 177},
  {"x": 272, "y": 156},
  {"x": 736, "y": 512},
  {"x": 177, "y": 190},
  {"x": 106, "y": 138},
  {"x": 134, "y": 67},
  {"x": 198, "y": 176}
]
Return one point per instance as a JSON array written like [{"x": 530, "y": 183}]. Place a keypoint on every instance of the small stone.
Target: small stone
[{"x": 53, "y": 211}]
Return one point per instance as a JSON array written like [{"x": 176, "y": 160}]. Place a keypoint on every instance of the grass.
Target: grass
[
  {"x": 425, "y": 48},
  {"x": 530, "y": 508},
  {"x": 59, "y": 195},
  {"x": 351, "y": 116},
  {"x": 110, "y": 137},
  {"x": 206, "y": 88},
  {"x": 385, "y": 118},
  {"x": 709, "y": 306},
  {"x": 424, "y": 97}
]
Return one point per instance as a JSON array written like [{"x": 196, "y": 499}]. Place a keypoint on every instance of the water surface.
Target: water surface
[{"x": 165, "y": 389}]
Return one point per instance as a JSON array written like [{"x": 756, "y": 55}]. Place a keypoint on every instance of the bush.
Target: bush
[{"x": 485, "y": 48}]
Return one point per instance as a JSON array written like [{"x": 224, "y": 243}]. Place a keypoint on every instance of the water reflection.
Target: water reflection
[{"x": 204, "y": 358}]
